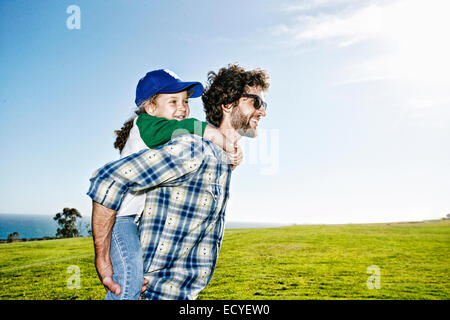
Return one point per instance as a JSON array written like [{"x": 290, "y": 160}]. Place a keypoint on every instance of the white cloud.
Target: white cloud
[
  {"x": 317, "y": 4},
  {"x": 395, "y": 20},
  {"x": 344, "y": 30},
  {"x": 409, "y": 39}
]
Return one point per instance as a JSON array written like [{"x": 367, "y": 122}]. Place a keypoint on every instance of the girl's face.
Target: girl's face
[{"x": 170, "y": 106}]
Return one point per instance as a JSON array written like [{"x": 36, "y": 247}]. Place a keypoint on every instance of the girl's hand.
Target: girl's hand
[{"x": 236, "y": 156}]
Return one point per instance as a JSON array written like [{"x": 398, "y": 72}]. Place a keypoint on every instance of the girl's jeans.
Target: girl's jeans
[{"x": 126, "y": 259}]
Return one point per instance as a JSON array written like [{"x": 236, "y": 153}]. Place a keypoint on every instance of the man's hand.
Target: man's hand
[
  {"x": 103, "y": 220},
  {"x": 144, "y": 287},
  {"x": 105, "y": 273}
]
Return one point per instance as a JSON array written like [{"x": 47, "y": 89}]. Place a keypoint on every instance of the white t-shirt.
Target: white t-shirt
[{"x": 133, "y": 203}]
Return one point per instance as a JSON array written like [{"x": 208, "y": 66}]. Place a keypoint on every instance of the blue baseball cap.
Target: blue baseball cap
[{"x": 164, "y": 81}]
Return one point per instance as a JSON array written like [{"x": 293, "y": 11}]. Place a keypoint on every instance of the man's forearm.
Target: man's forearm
[{"x": 102, "y": 223}]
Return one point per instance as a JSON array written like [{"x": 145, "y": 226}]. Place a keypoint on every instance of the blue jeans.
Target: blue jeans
[{"x": 126, "y": 259}]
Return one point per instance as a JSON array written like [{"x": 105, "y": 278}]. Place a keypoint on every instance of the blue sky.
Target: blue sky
[{"x": 357, "y": 128}]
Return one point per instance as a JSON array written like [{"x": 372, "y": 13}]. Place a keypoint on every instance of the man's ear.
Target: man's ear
[{"x": 227, "y": 108}]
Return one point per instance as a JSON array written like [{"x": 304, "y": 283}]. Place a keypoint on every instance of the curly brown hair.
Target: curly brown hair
[
  {"x": 124, "y": 132},
  {"x": 227, "y": 87}
]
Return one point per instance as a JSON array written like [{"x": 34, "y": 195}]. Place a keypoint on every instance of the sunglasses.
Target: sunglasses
[{"x": 257, "y": 101}]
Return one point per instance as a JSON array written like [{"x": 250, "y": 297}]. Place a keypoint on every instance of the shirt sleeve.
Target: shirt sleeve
[
  {"x": 146, "y": 169},
  {"x": 155, "y": 131}
]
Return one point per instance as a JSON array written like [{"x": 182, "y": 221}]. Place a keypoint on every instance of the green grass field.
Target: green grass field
[{"x": 297, "y": 262}]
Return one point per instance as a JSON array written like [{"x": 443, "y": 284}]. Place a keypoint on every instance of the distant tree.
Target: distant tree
[
  {"x": 15, "y": 236},
  {"x": 448, "y": 216},
  {"x": 88, "y": 228},
  {"x": 67, "y": 221},
  {"x": 84, "y": 227}
]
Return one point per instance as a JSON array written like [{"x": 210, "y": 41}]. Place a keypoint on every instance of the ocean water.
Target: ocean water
[
  {"x": 38, "y": 226},
  {"x": 34, "y": 225}
]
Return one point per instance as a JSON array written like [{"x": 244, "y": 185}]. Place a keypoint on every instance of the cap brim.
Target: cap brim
[{"x": 197, "y": 88}]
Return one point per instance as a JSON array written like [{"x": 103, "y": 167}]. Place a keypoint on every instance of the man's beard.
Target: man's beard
[{"x": 241, "y": 123}]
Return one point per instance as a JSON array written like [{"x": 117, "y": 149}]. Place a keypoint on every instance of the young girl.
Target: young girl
[{"x": 163, "y": 109}]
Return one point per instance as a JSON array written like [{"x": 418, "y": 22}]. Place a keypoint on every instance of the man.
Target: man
[{"x": 187, "y": 187}]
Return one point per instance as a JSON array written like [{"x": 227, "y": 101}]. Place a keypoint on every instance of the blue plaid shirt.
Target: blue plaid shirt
[{"x": 181, "y": 228}]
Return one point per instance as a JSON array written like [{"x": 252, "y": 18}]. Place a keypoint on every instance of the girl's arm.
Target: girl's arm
[
  {"x": 155, "y": 131},
  {"x": 216, "y": 137},
  {"x": 234, "y": 151}
]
